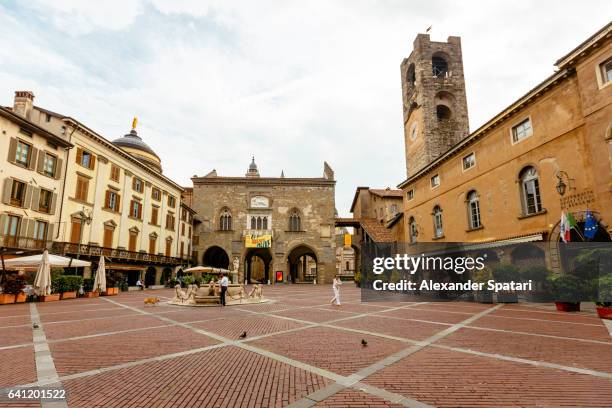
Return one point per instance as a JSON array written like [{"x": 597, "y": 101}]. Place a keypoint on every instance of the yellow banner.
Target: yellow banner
[
  {"x": 348, "y": 238},
  {"x": 262, "y": 241}
]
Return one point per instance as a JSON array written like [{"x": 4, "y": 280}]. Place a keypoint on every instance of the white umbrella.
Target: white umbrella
[
  {"x": 207, "y": 269},
  {"x": 34, "y": 261},
  {"x": 100, "y": 281},
  {"x": 42, "y": 282}
]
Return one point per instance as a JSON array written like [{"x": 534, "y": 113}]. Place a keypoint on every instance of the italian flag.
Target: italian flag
[{"x": 567, "y": 223}]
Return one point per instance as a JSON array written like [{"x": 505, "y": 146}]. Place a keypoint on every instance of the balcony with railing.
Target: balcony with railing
[
  {"x": 116, "y": 254},
  {"x": 26, "y": 243}
]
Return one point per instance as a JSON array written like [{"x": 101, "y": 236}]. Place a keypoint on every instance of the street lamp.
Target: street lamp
[
  {"x": 561, "y": 186},
  {"x": 85, "y": 218}
]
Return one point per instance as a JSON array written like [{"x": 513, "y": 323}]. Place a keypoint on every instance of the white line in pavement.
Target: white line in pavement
[{"x": 45, "y": 368}]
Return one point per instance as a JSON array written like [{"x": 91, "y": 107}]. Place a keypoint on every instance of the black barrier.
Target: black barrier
[{"x": 490, "y": 272}]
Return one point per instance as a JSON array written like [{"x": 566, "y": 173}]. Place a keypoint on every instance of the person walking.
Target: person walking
[
  {"x": 336, "y": 287},
  {"x": 223, "y": 283}
]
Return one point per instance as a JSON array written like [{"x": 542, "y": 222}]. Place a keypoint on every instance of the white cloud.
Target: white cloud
[{"x": 294, "y": 83}]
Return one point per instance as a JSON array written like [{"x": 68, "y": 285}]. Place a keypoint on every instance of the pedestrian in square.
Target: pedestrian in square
[
  {"x": 223, "y": 282},
  {"x": 336, "y": 287},
  {"x": 140, "y": 285}
]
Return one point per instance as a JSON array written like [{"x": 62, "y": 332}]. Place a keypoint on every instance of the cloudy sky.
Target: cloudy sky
[{"x": 292, "y": 82}]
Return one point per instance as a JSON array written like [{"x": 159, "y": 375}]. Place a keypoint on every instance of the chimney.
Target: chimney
[{"x": 24, "y": 101}]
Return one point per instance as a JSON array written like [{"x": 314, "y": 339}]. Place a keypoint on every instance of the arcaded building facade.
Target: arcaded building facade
[{"x": 279, "y": 228}]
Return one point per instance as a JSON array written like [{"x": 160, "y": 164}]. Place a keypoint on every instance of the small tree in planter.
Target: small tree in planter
[
  {"x": 88, "y": 288},
  {"x": 568, "y": 290},
  {"x": 483, "y": 276},
  {"x": 506, "y": 273},
  {"x": 539, "y": 275},
  {"x": 67, "y": 285},
  {"x": 12, "y": 289},
  {"x": 604, "y": 303}
]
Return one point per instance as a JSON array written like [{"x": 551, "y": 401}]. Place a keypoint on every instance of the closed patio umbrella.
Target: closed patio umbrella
[
  {"x": 42, "y": 281},
  {"x": 100, "y": 280}
]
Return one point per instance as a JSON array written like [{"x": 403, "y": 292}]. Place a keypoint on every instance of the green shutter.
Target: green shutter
[
  {"x": 53, "y": 203},
  {"x": 58, "y": 168}
]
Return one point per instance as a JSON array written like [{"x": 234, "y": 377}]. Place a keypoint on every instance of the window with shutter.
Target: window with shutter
[
  {"x": 82, "y": 187},
  {"x": 132, "y": 242},
  {"x": 152, "y": 242},
  {"x": 75, "y": 231},
  {"x": 108, "y": 237}
]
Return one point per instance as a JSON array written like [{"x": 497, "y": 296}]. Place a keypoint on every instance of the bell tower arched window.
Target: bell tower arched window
[
  {"x": 473, "y": 202},
  {"x": 437, "y": 220}
]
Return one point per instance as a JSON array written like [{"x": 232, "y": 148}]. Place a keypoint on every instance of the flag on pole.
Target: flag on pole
[
  {"x": 590, "y": 225},
  {"x": 565, "y": 228},
  {"x": 571, "y": 221}
]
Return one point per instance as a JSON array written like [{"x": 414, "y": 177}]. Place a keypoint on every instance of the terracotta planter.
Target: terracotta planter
[
  {"x": 91, "y": 294},
  {"x": 21, "y": 297},
  {"x": 604, "y": 312},
  {"x": 110, "y": 292},
  {"x": 68, "y": 295},
  {"x": 567, "y": 306},
  {"x": 6, "y": 298},
  {"x": 49, "y": 298}
]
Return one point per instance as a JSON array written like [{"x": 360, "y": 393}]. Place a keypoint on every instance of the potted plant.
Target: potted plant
[
  {"x": 12, "y": 289},
  {"x": 568, "y": 291},
  {"x": 89, "y": 289},
  {"x": 506, "y": 273},
  {"x": 67, "y": 285},
  {"x": 604, "y": 303},
  {"x": 357, "y": 279},
  {"x": 538, "y": 275},
  {"x": 483, "y": 276}
]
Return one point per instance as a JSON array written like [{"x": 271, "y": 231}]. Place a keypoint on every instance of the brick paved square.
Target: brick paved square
[
  {"x": 566, "y": 352},
  {"x": 353, "y": 398},
  {"x": 226, "y": 377},
  {"x": 316, "y": 315},
  {"x": 254, "y": 325},
  {"x": 579, "y": 330},
  {"x": 428, "y": 315},
  {"x": 449, "y": 379},
  {"x": 334, "y": 350},
  {"x": 55, "y": 331},
  {"x": 17, "y": 366},
  {"x": 441, "y": 377},
  {"x": 407, "y": 329},
  {"x": 11, "y": 336},
  {"x": 87, "y": 354}
]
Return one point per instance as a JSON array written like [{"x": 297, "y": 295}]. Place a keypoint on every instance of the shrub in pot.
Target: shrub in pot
[
  {"x": 539, "y": 276},
  {"x": 604, "y": 302},
  {"x": 506, "y": 273},
  {"x": 483, "y": 276},
  {"x": 67, "y": 285},
  {"x": 568, "y": 291},
  {"x": 12, "y": 289}
]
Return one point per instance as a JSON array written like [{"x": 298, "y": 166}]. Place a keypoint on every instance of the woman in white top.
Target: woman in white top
[{"x": 336, "y": 286}]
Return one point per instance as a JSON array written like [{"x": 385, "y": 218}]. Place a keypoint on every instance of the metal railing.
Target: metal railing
[{"x": 68, "y": 248}]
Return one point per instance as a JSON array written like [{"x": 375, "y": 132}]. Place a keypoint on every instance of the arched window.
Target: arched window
[
  {"x": 530, "y": 191},
  {"x": 253, "y": 223},
  {"x": 437, "y": 220},
  {"x": 225, "y": 220},
  {"x": 473, "y": 202},
  {"x": 411, "y": 75},
  {"x": 439, "y": 66},
  {"x": 412, "y": 230},
  {"x": 294, "y": 221},
  {"x": 443, "y": 112}
]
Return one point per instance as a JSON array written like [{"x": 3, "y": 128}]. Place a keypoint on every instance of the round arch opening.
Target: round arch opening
[
  {"x": 303, "y": 264},
  {"x": 216, "y": 257},
  {"x": 258, "y": 265}
]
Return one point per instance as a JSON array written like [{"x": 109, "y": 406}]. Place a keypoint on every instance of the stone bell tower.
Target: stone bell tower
[{"x": 435, "y": 106}]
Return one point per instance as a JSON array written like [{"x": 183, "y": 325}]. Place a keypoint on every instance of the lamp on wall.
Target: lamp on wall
[{"x": 561, "y": 185}]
